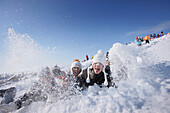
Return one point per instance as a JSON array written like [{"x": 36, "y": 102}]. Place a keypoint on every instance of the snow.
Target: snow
[{"x": 144, "y": 88}]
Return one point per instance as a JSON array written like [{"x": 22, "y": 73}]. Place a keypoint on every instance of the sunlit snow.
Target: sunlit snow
[{"x": 145, "y": 88}]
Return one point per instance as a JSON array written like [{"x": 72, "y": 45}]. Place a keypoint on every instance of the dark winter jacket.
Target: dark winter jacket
[{"x": 97, "y": 78}]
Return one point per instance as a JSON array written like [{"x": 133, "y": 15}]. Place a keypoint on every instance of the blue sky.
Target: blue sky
[{"x": 80, "y": 27}]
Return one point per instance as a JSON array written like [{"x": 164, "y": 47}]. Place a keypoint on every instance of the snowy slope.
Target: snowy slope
[{"x": 144, "y": 89}]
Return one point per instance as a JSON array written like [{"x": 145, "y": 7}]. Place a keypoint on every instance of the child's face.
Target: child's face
[
  {"x": 97, "y": 67},
  {"x": 76, "y": 70}
]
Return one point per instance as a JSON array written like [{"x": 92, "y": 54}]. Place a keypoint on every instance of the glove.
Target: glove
[{"x": 6, "y": 108}]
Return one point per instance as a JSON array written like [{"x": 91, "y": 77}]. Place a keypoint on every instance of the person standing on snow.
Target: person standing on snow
[
  {"x": 141, "y": 38},
  {"x": 147, "y": 39},
  {"x": 161, "y": 34},
  {"x": 138, "y": 42},
  {"x": 157, "y": 36},
  {"x": 151, "y": 36},
  {"x": 154, "y": 36},
  {"x": 87, "y": 58},
  {"x": 107, "y": 55},
  {"x": 95, "y": 74}
]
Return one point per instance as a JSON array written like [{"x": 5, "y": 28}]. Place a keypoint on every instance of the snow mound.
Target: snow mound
[{"x": 143, "y": 78}]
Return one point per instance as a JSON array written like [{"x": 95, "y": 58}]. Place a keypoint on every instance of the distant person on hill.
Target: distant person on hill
[
  {"x": 107, "y": 59},
  {"x": 138, "y": 42},
  {"x": 151, "y": 36},
  {"x": 161, "y": 34},
  {"x": 147, "y": 39},
  {"x": 141, "y": 38},
  {"x": 87, "y": 58},
  {"x": 157, "y": 36},
  {"x": 154, "y": 36},
  {"x": 107, "y": 56},
  {"x": 97, "y": 73}
]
